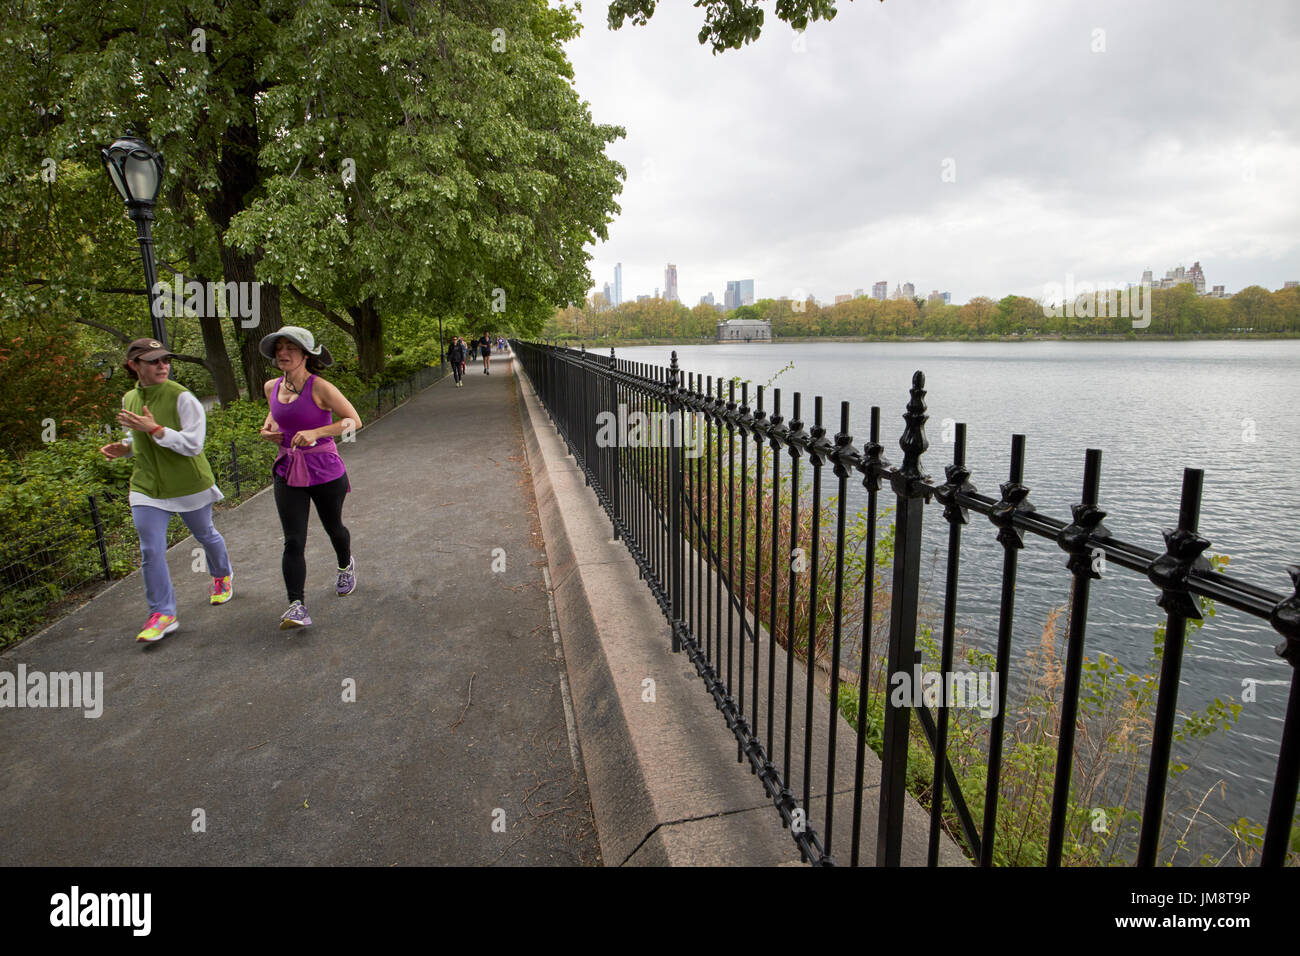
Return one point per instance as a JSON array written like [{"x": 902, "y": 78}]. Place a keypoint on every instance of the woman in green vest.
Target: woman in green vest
[{"x": 167, "y": 427}]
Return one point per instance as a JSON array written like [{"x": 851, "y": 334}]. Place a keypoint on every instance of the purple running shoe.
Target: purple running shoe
[
  {"x": 296, "y": 616},
  {"x": 347, "y": 582}
]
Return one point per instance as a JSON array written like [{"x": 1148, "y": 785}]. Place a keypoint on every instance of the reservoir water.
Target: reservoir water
[{"x": 1231, "y": 408}]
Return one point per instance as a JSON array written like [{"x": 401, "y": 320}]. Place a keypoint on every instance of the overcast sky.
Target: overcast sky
[{"x": 979, "y": 148}]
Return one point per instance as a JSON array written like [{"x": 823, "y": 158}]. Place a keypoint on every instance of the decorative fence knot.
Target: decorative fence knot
[
  {"x": 1015, "y": 500},
  {"x": 956, "y": 481},
  {"x": 1285, "y": 619},
  {"x": 1169, "y": 571},
  {"x": 1074, "y": 537}
]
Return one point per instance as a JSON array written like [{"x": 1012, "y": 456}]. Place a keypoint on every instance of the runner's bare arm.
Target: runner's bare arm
[
  {"x": 328, "y": 397},
  {"x": 270, "y": 430}
]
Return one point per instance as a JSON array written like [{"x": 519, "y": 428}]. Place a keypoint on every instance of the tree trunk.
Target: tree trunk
[
  {"x": 369, "y": 338},
  {"x": 217, "y": 361},
  {"x": 238, "y": 175},
  {"x": 241, "y": 267}
]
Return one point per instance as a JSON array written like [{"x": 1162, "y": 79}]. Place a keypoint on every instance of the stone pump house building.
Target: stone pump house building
[{"x": 745, "y": 330}]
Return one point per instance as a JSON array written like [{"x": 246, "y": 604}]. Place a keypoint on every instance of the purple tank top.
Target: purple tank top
[{"x": 323, "y": 464}]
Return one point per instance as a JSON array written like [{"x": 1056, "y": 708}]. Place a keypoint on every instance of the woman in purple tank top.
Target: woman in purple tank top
[{"x": 307, "y": 415}]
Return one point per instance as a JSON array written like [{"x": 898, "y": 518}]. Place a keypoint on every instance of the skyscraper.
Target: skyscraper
[
  {"x": 618, "y": 283},
  {"x": 909, "y": 290},
  {"x": 880, "y": 290},
  {"x": 739, "y": 292},
  {"x": 670, "y": 282}
]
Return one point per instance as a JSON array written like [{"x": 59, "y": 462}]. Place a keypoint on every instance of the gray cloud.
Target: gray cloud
[{"x": 815, "y": 162}]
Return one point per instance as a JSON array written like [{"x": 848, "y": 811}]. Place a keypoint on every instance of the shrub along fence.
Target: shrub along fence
[
  {"x": 74, "y": 534},
  {"x": 785, "y": 579}
]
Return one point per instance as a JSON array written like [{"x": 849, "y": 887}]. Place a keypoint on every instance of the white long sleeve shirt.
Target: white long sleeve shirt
[{"x": 188, "y": 442}]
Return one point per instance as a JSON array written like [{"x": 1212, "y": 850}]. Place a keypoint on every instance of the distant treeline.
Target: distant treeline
[{"x": 1176, "y": 311}]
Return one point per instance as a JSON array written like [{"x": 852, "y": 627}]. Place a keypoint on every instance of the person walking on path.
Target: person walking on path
[
  {"x": 485, "y": 346},
  {"x": 457, "y": 358},
  {"x": 308, "y": 469},
  {"x": 171, "y": 476}
]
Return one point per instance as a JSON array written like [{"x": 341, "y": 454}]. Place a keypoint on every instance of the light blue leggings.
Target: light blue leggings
[{"x": 151, "y": 526}]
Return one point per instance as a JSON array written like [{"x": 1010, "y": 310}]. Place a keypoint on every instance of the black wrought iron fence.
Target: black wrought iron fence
[
  {"x": 791, "y": 593},
  {"x": 76, "y": 542},
  {"x": 379, "y": 401}
]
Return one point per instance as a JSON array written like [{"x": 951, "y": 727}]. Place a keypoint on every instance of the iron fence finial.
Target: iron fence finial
[{"x": 913, "y": 441}]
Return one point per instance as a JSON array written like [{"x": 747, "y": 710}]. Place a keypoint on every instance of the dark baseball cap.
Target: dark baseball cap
[{"x": 146, "y": 350}]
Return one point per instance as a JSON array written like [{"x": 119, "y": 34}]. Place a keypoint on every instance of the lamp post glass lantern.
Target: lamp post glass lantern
[{"x": 136, "y": 171}]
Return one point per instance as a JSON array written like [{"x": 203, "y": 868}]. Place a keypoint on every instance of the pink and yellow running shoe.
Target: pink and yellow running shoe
[
  {"x": 222, "y": 589},
  {"x": 158, "y": 625}
]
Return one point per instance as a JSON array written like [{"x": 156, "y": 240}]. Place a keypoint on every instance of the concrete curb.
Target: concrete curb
[{"x": 665, "y": 786}]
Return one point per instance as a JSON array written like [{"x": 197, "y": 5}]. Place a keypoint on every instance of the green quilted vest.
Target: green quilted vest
[{"x": 160, "y": 472}]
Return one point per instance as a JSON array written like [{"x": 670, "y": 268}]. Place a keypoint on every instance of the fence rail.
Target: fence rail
[{"x": 673, "y": 505}]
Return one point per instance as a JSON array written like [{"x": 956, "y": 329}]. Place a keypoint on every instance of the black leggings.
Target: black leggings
[{"x": 294, "y": 505}]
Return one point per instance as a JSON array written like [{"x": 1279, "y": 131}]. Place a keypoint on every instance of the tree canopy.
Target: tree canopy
[
  {"x": 729, "y": 24},
  {"x": 359, "y": 162}
]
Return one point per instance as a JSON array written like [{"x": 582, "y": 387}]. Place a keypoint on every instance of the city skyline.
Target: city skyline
[
  {"x": 1018, "y": 144},
  {"x": 1194, "y": 276}
]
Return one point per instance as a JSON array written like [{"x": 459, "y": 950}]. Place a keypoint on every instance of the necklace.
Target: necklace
[{"x": 289, "y": 385}]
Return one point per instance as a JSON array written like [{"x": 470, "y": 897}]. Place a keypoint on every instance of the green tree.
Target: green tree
[
  {"x": 977, "y": 315},
  {"x": 80, "y": 73},
  {"x": 1017, "y": 313},
  {"x": 729, "y": 24},
  {"x": 480, "y": 176},
  {"x": 444, "y": 159},
  {"x": 703, "y": 322},
  {"x": 1181, "y": 306},
  {"x": 1253, "y": 308},
  {"x": 1287, "y": 305}
]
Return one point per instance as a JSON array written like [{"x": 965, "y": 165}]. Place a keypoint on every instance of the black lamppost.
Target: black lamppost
[{"x": 136, "y": 170}]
